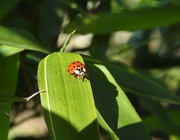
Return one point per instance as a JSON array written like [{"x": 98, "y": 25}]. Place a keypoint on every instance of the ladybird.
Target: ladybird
[{"x": 77, "y": 69}]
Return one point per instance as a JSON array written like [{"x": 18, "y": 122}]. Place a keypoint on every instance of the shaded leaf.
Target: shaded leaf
[
  {"x": 6, "y": 6},
  {"x": 8, "y": 80},
  {"x": 51, "y": 18},
  {"x": 162, "y": 116},
  {"x": 140, "y": 83},
  {"x": 113, "y": 105},
  {"x": 126, "y": 20}
]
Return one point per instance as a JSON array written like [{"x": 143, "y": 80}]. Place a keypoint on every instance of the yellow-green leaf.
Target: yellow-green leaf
[{"x": 68, "y": 102}]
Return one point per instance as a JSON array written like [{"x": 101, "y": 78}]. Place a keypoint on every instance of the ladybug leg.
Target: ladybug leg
[
  {"x": 79, "y": 76},
  {"x": 75, "y": 75},
  {"x": 85, "y": 76}
]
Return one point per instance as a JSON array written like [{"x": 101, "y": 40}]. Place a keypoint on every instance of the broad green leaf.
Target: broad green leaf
[
  {"x": 8, "y": 80},
  {"x": 126, "y": 20},
  {"x": 68, "y": 102},
  {"x": 113, "y": 105},
  {"x": 20, "y": 39},
  {"x": 140, "y": 83}
]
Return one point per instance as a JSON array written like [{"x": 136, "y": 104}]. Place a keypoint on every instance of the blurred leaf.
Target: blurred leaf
[
  {"x": 141, "y": 84},
  {"x": 126, "y": 20},
  {"x": 67, "y": 41},
  {"x": 4, "y": 98},
  {"x": 68, "y": 103},
  {"x": 115, "y": 6},
  {"x": 113, "y": 105},
  {"x": 98, "y": 47},
  {"x": 7, "y": 51},
  {"x": 163, "y": 117},
  {"x": 50, "y": 22},
  {"x": 153, "y": 124},
  {"x": 20, "y": 39},
  {"x": 162, "y": 120},
  {"x": 6, "y": 6},
  {"x": 11, "y": 99},
  {"x": 8, "y": 80}
]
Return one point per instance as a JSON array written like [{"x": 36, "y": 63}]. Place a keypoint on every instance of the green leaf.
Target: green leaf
[
  {"x": 68, "y": 102},
  {"x": 6, "y": 6},
  {"x": 20, "y": 38},
  {"x": 105, "y": 126},
  {"x": 8, "y": 80},
  {"x": 67, "y": 41},
  {"x": 126, "y": 20},
  {"x": 113, "y": 105},
  {"x": 162, "y": 115},
  {"x": 51, "y": 18},
  {"x": 154, "y": 124},
  {"x": 7, "y": 51},
  {"x": 5, "y": 98},
  {"x": 141, "y": 84}
]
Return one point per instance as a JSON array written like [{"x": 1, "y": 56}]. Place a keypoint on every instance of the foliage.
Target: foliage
[{"x": 131, "y": 53}]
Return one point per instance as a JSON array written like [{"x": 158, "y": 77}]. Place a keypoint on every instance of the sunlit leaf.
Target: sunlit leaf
[
  {"x": 7, "y": 51},
  {"x": 20, "y": 39},
  {"x": 68, "y": 102}
]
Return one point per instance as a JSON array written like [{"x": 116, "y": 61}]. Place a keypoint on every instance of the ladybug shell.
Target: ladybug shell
[{"x": 73, "y": 66}]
